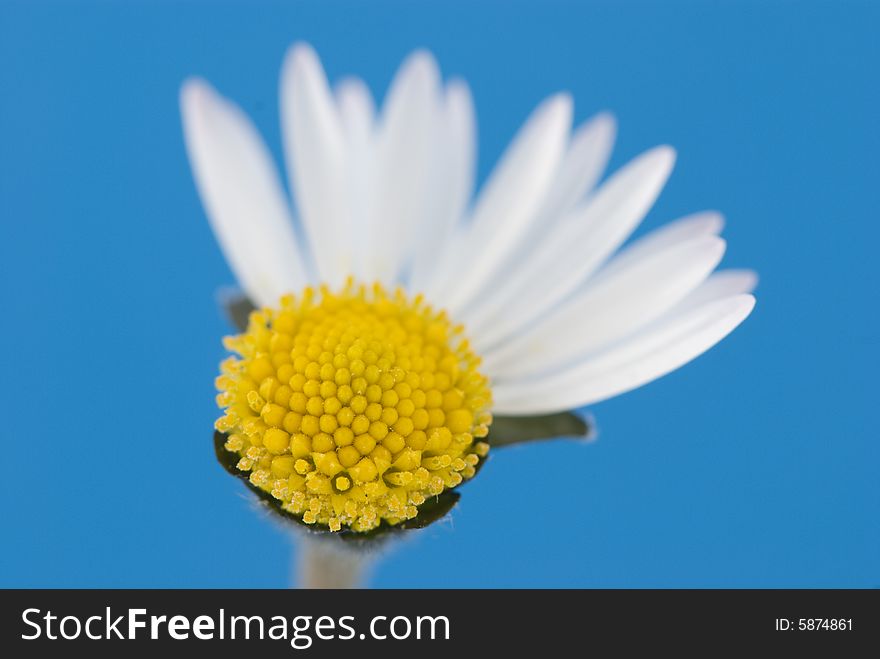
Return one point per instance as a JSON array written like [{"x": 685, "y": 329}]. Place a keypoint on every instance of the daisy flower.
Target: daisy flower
[{"x": 398, "y": 311}]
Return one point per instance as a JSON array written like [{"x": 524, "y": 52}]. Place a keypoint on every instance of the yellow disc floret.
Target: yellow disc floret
[{"x": 354, "y": 407}]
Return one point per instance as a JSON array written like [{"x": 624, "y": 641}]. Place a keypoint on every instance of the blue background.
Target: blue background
[{"x": 756, "y": 465}]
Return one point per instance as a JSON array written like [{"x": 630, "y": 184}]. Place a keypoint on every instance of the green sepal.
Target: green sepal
[
  {"x": 433, "y": 510},
  {"x": 237, "y": 306},
  {"x": 509, "y": 430}
]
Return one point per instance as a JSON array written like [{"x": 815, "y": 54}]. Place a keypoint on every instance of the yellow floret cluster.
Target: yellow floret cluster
[{"x": 353, "y": 407}]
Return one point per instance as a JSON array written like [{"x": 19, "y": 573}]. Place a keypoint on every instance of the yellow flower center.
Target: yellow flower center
[{"x": 354, "y": 407}]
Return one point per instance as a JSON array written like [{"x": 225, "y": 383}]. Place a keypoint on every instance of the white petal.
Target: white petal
[
  {"x": 453, "y": 181},
  {"x": 404, "y": 157},
  {"x": 631, "y": 364},
  {"x": 242, "y": 194},
  {"x": 356, "y": 108},
  {"x": 719, "y": 285},
  {"x": 357, "y": 114},
  {"x": 507, "y": 204},
  {"x": 583, "y": 165},
  {"x": 706, "y": 223},
  {"x": 570, "y": 252},
  {"x": 608, "y": 311},
  {"x": 316, "y": 156}
]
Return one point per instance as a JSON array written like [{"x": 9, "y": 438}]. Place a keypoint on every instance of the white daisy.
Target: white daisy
[{"x": 531, "y": 266}]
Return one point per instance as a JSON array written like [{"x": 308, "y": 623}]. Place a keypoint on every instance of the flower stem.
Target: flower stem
[{"x": 326, "y": 563}]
